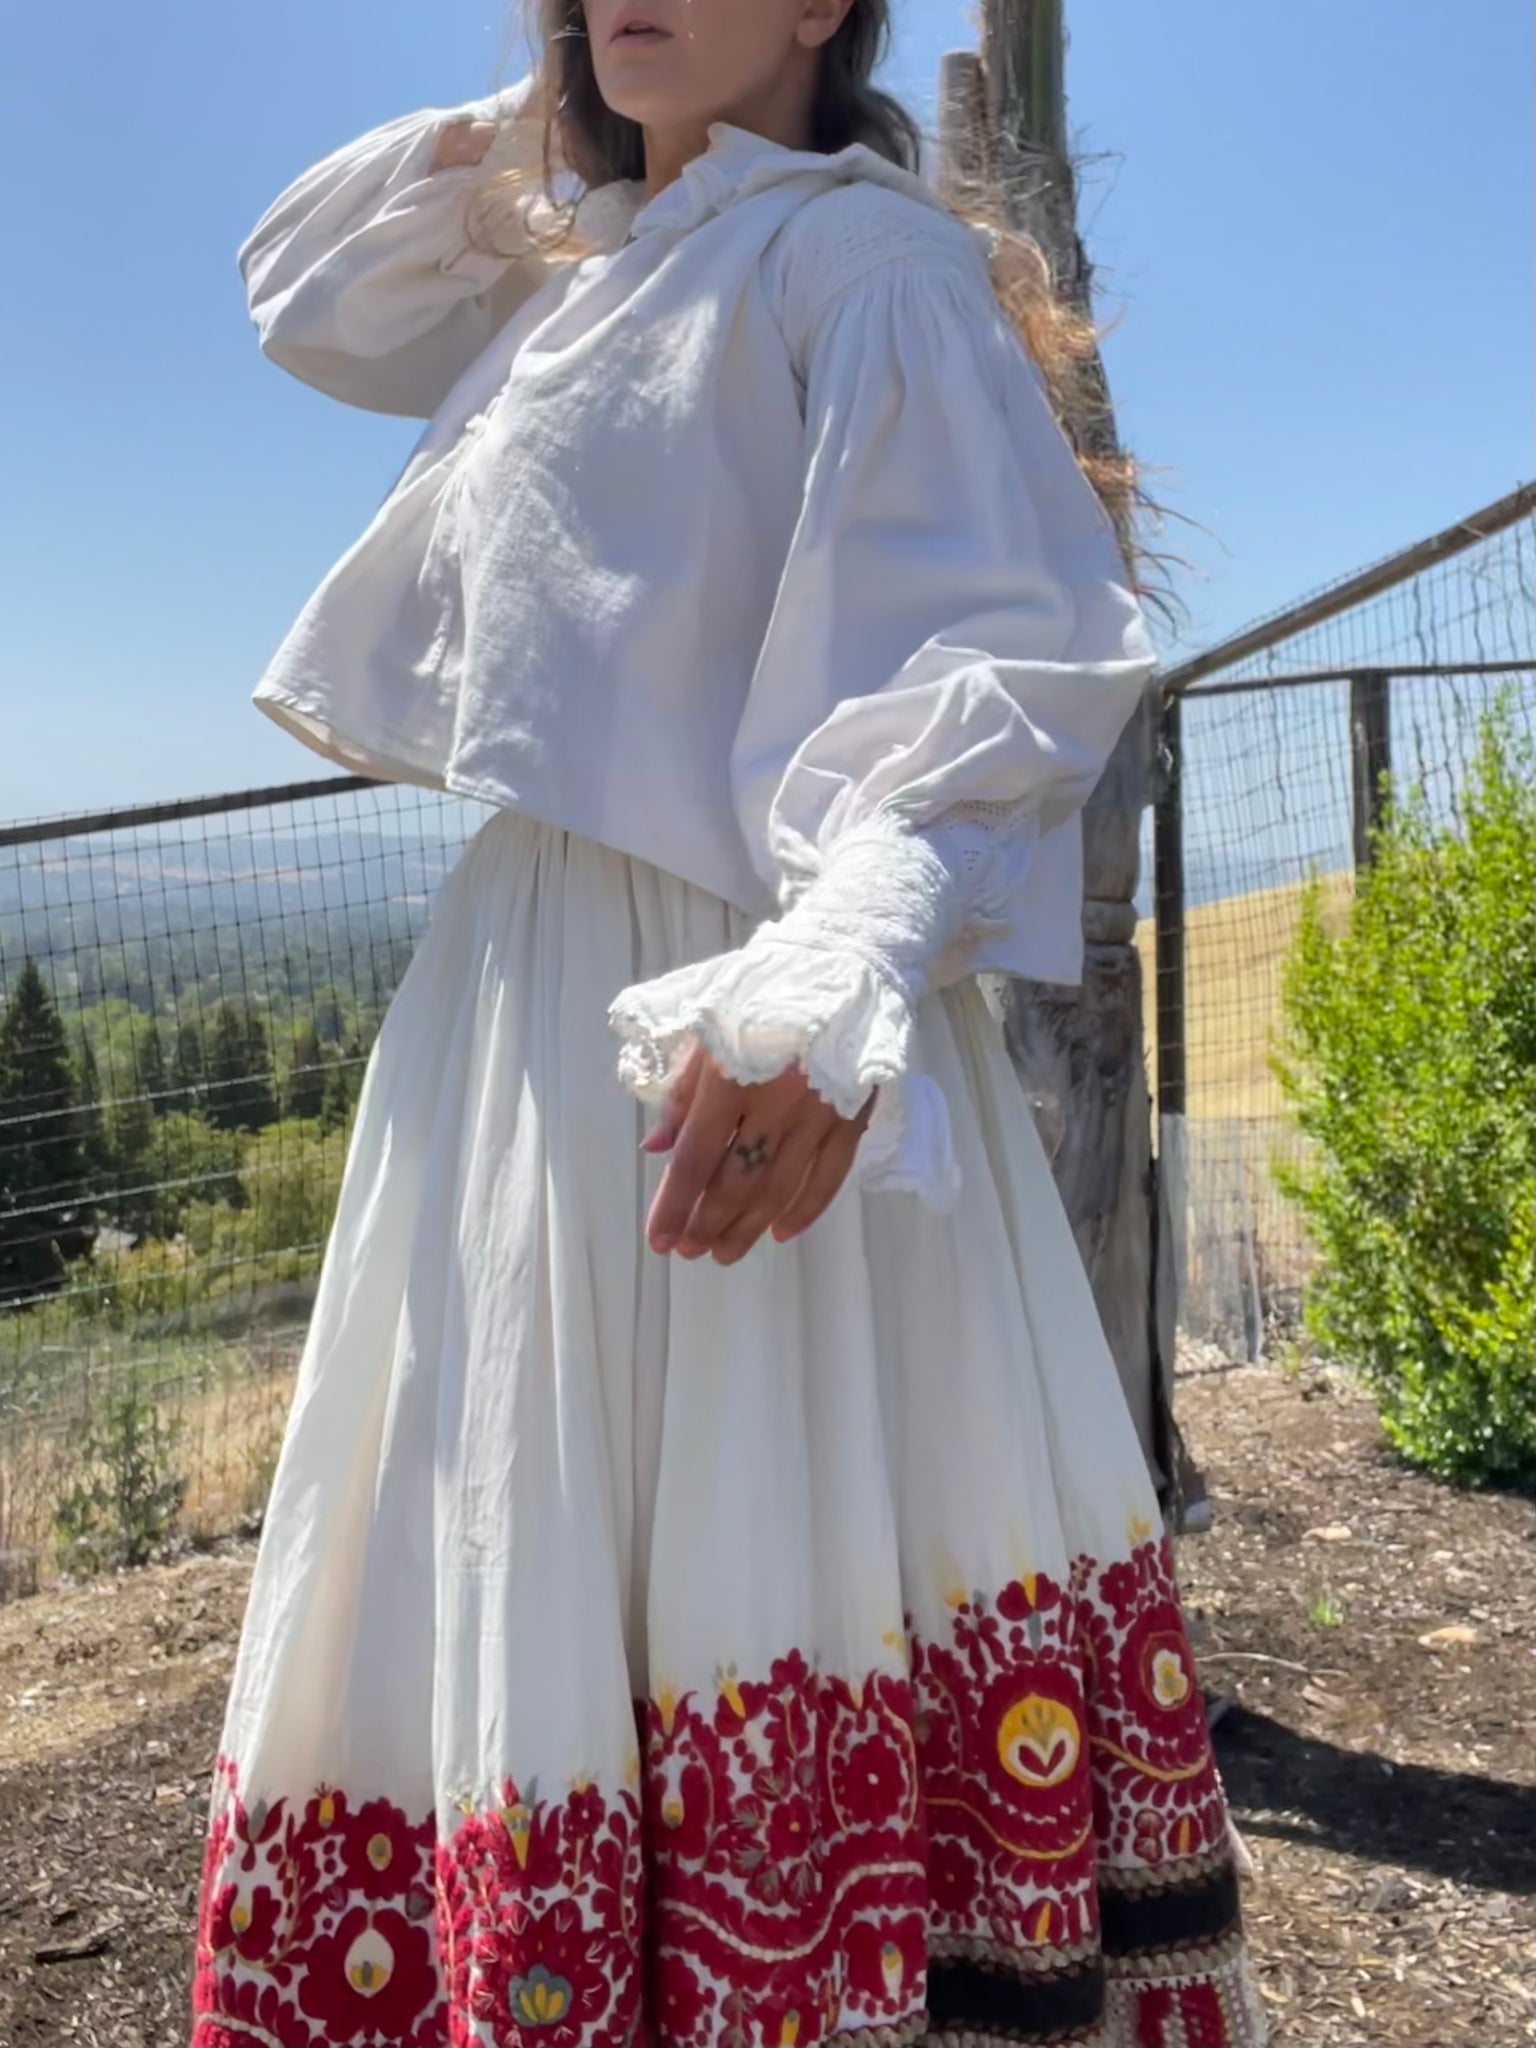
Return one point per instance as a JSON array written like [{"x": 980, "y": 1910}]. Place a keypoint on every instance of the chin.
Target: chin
[
  {"x": 641, "y": 90},
  {"x": 648, "y": 109}
]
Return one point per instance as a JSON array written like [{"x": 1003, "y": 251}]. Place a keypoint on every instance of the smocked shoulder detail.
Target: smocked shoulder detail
[{"x": 843, "y": 236}]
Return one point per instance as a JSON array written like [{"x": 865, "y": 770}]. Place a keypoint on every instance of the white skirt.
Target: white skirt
[{"x": 649, "y": 1652}]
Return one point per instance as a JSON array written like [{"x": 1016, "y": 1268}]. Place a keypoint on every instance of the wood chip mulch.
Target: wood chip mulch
[{"x": 1367, "y": 1636}]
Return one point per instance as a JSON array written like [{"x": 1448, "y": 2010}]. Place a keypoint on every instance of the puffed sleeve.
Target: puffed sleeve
[
  {"x": 953, "y": 654},
  {"x": 362, "y": 277}
]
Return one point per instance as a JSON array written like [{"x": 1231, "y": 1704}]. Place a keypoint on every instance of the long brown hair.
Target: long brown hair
[
  {"x": 586, "y": 137},
  {"x": 600, "y": 145}
]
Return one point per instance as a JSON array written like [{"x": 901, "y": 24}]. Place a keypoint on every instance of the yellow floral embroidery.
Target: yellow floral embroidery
[
  {"x": 518, "y": 1822},
  {"x": 1039, "y": 1741},
  {"x": 540, "y": 1999},
  {"x": 1170, "y": 1680}
]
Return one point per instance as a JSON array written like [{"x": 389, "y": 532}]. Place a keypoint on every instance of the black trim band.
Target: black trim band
[
  {"x": 971, "y": 1997},
  {"x": 1181, "y": 1916}
]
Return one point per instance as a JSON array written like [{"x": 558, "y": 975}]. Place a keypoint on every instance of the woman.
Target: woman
[{"x": 711, "y": 1592}]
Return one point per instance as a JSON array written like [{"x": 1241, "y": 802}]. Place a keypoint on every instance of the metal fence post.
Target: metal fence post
[
  {"x": 1169, "y": 909},
  {"x": 1370, "y": 755},
  {"x": 1188, "y": 1503}
]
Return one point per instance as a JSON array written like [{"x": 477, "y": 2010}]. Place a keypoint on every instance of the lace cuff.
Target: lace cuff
[{"x": 832, "y": 987}]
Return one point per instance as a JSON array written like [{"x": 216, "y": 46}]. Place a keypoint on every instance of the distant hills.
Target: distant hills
[{"x": 297, "y": 882}]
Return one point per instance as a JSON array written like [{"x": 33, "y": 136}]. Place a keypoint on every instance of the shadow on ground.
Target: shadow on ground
[{"x": 1295, "y": 1788}]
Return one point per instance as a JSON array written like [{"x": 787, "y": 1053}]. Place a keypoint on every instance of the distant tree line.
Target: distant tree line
[
  {"x": 132, "y": 1120},
  {"x": 356, "y": 959}
]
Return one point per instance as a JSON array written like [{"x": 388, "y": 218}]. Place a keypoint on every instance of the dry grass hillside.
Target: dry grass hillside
[{"x": 1235, "y": 953}]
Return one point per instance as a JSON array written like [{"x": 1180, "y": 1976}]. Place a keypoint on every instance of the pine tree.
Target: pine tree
[
  {"x": 307, "y": 1079},
  {"x": 149, "y": 1070},
  {"x": 131, "y": 1140},
  {"x": 133, "y": 1131},
  {"x": 239, "y": 1072},
  {"x": 228, "y": 1069},
  {"x": 45, "y": 1220},
  {"x": 187, "y": 1072},
  {"x": 329, "y": 1023},
  {"x": 93, "y": 1136},
  {"x": 343, "y": 1085},
  {"x": 261, "y": 1099}
]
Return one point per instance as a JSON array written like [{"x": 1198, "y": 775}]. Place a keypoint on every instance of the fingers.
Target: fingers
[
  {"x": 744, "y": 1160},
  {"x": 819, "y": 1190},
  {"x": 707, "y": 1129},
  {"x": 463, "y": 142},
  {"x": 815, "y": 1151},
  {"x": 742, "y": 1200},
  {"x": 771, "y": 1114},
  {"x": 674, "y": 1111}
]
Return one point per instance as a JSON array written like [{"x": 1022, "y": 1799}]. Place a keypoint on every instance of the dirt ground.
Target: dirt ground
[
  {"x": 1367, "y": 1633},
  {"x": 1372, "y": 1632}
]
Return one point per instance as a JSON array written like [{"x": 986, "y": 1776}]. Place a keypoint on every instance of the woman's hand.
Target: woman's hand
[
  {"x": 463, "y": 142},
  {"x": 745, "y": 1160}
]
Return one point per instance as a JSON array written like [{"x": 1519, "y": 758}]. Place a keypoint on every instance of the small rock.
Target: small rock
[
  {"x": 1392, "y": 1895},
  {"x": 1334, "y": 1532}
]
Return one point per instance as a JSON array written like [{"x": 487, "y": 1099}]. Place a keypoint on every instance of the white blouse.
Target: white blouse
[{"x": 747, "y": 545}]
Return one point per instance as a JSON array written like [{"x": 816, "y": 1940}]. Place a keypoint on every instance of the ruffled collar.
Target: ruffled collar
[{"x": 738, "y": 164}]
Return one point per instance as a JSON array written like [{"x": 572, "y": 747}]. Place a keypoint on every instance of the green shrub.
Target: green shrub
[
  {"x": 1410, "y": 1065},
  {"x": 292, "y": 1176},
  {"x": 151, "y": 1283},
  {"x": 167, "y": 1163},
  {"x": 126, "y": 1500}
]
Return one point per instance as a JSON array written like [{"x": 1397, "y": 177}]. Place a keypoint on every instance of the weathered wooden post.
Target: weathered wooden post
[{"x": 1079, "y": 1052}]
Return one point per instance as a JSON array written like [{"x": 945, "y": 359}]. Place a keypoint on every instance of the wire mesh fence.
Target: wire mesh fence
[
  {"x": 189, "y": 993},
  {"x": 188, "y": 996},
  {"x": 1273, "y": 760}
]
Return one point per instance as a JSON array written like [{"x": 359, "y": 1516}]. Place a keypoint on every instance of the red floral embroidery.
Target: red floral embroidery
[
  {"x": 883, "y": 1958},
  {"x": 680, "y": 2004},
  {"x": 546, "y": 1980},
  {"x": 954, "y": 1878},
  {"x": 249, "y": 1927},
  {"x": 1153, "y": 1772},
  {"x": 867, "y": 1780},
  {"x": 540, "y": 1909},
  {"x": 775, "y": 1863},
  {"x": 380, "y": 1854},
  {"x": 316, "y": 1927},
  {"x": 372, "y": 1976},
  {"x": 796, "y": 1848}
]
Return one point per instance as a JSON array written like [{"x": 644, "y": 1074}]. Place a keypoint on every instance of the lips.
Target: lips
[{"x": 633, "y": 27}]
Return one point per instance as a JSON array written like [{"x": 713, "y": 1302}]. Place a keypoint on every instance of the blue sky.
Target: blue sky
[{"x": 1313, "y": 224}]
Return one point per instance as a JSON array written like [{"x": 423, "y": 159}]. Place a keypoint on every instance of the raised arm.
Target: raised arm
[{"x": 362, "y": 277}]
